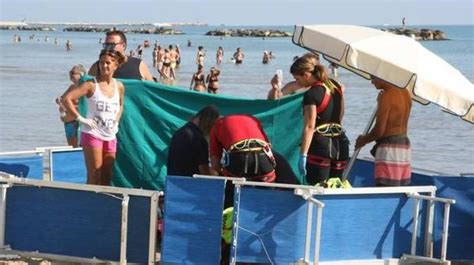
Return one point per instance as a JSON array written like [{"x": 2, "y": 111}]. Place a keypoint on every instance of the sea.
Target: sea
[{"x": 34, "y": 72}]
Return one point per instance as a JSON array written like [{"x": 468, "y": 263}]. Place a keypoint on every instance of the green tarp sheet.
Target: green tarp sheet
[{"x": 153, "y": 112}]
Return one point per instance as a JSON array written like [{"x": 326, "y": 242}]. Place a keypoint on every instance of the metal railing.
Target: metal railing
[{"x": 444, "y": 241}]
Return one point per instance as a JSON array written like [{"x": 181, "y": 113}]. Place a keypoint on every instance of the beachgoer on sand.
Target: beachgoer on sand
[
  {"x": 104, "y": 95},
  {"x": 71, "y": 126}
]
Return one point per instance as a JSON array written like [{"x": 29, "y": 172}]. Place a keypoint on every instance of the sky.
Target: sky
[{"x": 243, "y": 12}]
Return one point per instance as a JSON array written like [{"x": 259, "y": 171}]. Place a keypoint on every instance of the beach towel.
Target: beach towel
[{"x": 153, "y": 112}]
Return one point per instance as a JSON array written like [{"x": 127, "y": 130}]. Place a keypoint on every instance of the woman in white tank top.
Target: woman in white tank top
[{"x": 105, "y": 104}]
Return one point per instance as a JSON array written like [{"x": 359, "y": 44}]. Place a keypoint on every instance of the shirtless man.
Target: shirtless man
[
  {"x": 239, "y": 56},
  {"x": 134, "y": 68},
  {"x": 174, "y": 56},
  {"x": 160, "y": 56},
  {"x": 392, "y": 148}
]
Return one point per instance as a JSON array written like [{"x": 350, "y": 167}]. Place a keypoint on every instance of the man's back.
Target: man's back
[{"x": 399, "y": 102}]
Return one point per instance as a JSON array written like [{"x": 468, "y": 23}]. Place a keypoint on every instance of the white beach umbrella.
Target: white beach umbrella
[{"x": 397, "y": 59}]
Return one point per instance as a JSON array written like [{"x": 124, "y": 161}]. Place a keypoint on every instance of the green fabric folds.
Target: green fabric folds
[{"x": 153, "y": 112}]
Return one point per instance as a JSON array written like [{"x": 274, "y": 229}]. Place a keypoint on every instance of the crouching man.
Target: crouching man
[{"x": 240, "y": 148}]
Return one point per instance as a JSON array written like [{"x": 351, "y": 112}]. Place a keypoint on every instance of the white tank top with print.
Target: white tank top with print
[{"x": 103, "y": 110}]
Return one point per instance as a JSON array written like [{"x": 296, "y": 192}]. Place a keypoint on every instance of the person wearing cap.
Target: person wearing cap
[
  {"x": 212, "y": 80},
  {"x": 134, "y": 68},
  {"x": 104, "y": 95}
]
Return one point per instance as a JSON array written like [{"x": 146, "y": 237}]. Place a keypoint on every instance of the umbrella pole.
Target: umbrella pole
[{"x": 356, "y": 152}]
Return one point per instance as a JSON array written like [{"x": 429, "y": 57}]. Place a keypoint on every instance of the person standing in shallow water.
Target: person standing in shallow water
[
  {"x": 104, "y": 96},
  {"x": 212, "y": 80},
  {"x": 238, "y": 56},
  {"x": 219, "y": 55},
  {"x": 200, "y": 56},
  {"x": 198, "y": 80},
  {"x": 392, "y": 147}
]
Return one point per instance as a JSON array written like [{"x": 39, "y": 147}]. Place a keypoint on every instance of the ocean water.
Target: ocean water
[{"x": 34, "y": 72}]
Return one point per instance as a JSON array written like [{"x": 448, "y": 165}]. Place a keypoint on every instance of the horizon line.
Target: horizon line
[{"x": 24, "y": 23}]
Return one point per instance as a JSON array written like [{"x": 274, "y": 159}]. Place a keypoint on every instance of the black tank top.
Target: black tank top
[
  {"x": 315, "y": 95},
  {"x": 130, "y": 70}
]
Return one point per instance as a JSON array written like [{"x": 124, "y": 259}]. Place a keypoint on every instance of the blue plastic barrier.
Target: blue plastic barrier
[
  {"x": 76, "y": 223},
  {"x": 461, "y": 221},
  {"x": 192, "y": 221},
  {"x": 30, "y": 166},
  {"x": 272, "y": 226},
  {"x": 68, "y": 166}
]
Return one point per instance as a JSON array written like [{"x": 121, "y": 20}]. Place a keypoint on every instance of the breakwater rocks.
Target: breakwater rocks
[
  {"x": 156, "y": 30},
  {"x": 419, "y": 34},
  {"x": 249, "y": 33},
  {"x": 30, "y": 28}
]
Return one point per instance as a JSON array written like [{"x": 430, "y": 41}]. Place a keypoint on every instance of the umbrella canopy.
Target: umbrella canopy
[{"x": 399, "y": 60}]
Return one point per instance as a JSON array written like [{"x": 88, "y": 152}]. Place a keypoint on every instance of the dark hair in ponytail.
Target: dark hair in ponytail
[
  {"x": 308, "y": 64},
  {"x": 320, "y": 73}
]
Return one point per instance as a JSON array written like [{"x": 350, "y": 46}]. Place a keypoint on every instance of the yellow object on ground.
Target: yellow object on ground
[
  {"x": 335, "y": 183},
  {"x": 227, "y": 224}
]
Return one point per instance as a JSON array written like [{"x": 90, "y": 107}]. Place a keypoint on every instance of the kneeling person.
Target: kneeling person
[
  {"x": 242, "y": 145},
  {"x": 188, "y": 151}
]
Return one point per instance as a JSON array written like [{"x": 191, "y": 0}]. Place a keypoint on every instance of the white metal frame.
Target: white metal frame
[
  {"x": 54, "y": 150},
  {"x": 46, "y": 148},
  {"x": 22, "y": 153},
  {"x": 11, "y": 180},
  {"x": 306, "y": 195},
  {"x": 444, "y": 241}
]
